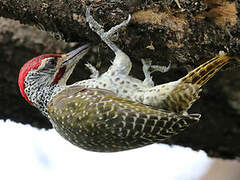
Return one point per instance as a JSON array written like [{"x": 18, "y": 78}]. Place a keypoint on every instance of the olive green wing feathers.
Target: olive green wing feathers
[{"x": 99, "y": 109}]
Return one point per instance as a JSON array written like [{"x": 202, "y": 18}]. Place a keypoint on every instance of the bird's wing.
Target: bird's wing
[{"x": 102, "y": 110}]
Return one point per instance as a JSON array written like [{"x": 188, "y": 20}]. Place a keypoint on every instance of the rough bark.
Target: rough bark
[{"x": 158, "y": 30}]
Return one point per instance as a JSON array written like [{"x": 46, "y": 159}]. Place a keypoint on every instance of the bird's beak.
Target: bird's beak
[
  {"x": 74, "y": 56},
  {"x": 67, "y": 63}
]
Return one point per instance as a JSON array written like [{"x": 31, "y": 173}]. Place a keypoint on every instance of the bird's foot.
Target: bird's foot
[
  {"x": 147, "y": 65},
  {"x": 121, "y": 63},
  {"x": 105, "y": 36}
]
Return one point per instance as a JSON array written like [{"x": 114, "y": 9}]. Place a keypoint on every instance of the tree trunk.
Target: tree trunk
[{"x": 159, "y": 30}]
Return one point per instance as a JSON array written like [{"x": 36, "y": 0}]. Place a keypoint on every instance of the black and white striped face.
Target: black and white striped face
[
  {"x": 47, "y": 71},
  {"x": 39, "y": 83}
]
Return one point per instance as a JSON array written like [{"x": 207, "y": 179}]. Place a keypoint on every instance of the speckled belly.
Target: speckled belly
[{"x": 123, "y": 86}]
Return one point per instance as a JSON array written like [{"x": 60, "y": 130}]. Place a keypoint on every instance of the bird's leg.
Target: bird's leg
[
  {"x": 148, "y": 78},
  {"x": 161, "y": 69},
  {"x": 121, "y": 63},
  {"x": 105, "y": 36},
  {"x": 93, "y": 70},
  {"x": 147, "y": 64}
]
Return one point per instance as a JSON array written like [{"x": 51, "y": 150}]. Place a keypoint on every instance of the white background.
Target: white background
[{"x": 29, "y": 153}]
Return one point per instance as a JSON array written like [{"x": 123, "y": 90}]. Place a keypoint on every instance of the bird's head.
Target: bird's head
[{"x": 49, "y": 70}]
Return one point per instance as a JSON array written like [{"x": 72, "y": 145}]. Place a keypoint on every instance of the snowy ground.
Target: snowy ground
[{"x": 28, "y": 153}]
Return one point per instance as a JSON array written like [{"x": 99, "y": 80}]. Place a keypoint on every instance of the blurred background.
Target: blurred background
[{"x": 30, "y": 153}]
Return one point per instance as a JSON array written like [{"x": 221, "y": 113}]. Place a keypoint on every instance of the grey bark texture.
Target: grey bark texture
[{"x": 159, "y": 30}]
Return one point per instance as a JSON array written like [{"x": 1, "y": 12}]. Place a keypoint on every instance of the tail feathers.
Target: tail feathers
[
  {"x": 206, "y": 71},
  {"x": 186, "y": 90},
  {"x": 182, "y": 97}
]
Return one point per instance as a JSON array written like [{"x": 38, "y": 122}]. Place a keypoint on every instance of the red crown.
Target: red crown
[{"x": 32, "y": 64}]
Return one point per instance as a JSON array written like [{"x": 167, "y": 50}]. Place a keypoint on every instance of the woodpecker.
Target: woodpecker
[{"x": 112, "y": 111}]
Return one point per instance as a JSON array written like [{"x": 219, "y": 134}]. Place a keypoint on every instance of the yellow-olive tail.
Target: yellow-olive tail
[{"x": 206, "y": 71}]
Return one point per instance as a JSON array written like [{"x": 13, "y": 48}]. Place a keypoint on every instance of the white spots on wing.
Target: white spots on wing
[
  {"x": 134, "y": 123},
  {"x": 91, "y": 103},
  {"x": 79, "y": 95},
  {"x": 83, "y": 97},
  {"x": 124, "y": 124},
  {"x": 108, "y": 100},
  {"x": 148, "y": 116},
  {"x": 115, "y": 116},
  {"x": 153, "y": 126},
  {"x": 128, "y": 132},
  {"x": 136, "y": 133},
  {"x": 144, "y": 124},
  {"x": 137, "y": 115}
]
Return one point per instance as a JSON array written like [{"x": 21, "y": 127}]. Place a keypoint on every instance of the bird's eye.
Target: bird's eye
[{"x": 52, "y": 62}]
